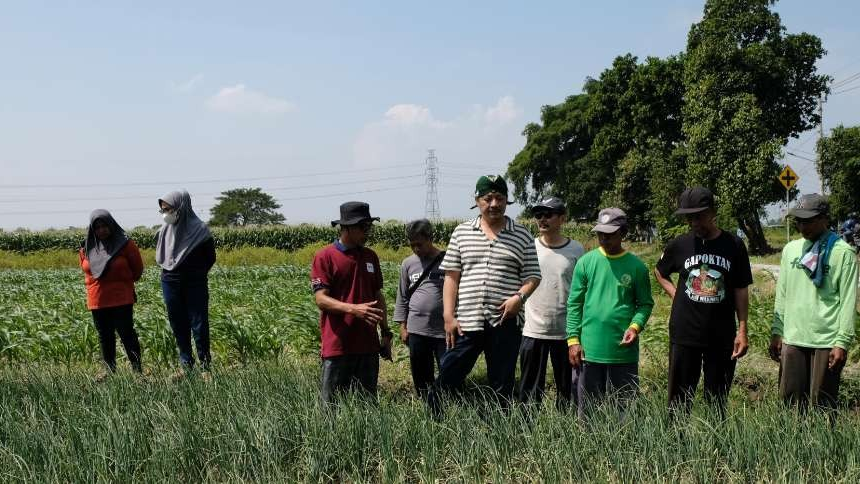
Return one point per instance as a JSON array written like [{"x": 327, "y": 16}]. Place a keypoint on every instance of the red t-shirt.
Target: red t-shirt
[{"x": 352, "y": 276}]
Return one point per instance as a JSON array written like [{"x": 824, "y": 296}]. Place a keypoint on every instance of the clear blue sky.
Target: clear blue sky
[{"x": 111, "y": 94}]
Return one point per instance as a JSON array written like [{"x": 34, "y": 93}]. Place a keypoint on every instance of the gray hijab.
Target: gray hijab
[
  {"x": 176, "y": 241},
  {"x": 100, "y": 252}
]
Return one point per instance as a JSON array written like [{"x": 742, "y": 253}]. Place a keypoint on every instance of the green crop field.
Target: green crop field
[{"x": 259, "y": 420}]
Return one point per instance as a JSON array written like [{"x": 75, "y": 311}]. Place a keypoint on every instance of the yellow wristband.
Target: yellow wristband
[
  {"x": 636, "y": 327},
  {"x": 572, "y": 341}
]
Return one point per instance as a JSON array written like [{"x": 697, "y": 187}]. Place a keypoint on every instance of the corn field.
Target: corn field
[{"x": 281, "y": 237}]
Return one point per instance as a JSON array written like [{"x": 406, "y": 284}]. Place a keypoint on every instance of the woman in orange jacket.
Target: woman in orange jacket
[{"x": 112, "y": 264}]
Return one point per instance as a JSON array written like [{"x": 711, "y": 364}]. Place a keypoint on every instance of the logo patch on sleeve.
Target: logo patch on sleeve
[{"x": 370, "y": 267}]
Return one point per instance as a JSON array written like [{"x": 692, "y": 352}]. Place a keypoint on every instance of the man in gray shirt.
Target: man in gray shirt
[
  {"x": 544, "y": 332},
  {"x": 418, "y": 308}
]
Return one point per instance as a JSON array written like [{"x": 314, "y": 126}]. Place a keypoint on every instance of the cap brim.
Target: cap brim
[
  {"x": 606, "y": 229},
  {"x": 802, "y": 213},
  {"x": 507, "y": 203},
  {"x": 687, "y": 211},
  {"x": 353, "y": 221}
]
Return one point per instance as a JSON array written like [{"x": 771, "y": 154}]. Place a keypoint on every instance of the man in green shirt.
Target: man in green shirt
[
  {"x": 609, "y": 303},
  {"x": 814, "y": 310}
]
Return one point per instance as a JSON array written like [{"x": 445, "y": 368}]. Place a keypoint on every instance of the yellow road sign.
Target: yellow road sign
[{"x": 788, "y": 177}]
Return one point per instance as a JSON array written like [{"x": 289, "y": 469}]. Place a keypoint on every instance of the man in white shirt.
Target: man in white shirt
[{"x": 544, "y": 333}]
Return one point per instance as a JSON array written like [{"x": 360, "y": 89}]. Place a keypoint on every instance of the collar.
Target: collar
[
  {"x": 339, "y": 245},
  {"x": 476, "y": 223},
  {"x": 616, "y": 256}
]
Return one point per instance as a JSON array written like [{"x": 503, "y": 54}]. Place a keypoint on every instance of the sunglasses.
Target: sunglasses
[{"x": 542, "y": 215}]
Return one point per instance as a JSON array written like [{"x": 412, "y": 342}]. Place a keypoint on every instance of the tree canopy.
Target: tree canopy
[
  {"x": 246, "y": 206},
  {"x": 839, "y": 156},
  {"x": 717, "y": 114}
]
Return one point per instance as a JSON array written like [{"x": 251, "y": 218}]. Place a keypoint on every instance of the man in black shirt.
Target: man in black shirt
[{"x": 713, "y": 274}]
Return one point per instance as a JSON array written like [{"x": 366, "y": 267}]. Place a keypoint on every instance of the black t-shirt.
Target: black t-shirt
[
  {"x": 703, "y": 312},
  {"x": 196, "y": 266}
]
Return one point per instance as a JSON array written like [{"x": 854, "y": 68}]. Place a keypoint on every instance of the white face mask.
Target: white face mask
[{"x": 170, "y": 217}]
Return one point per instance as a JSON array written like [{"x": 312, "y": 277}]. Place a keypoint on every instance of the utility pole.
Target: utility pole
[
  {"x": 431, "y": 172},
  {"x": 820, "y": 137}
]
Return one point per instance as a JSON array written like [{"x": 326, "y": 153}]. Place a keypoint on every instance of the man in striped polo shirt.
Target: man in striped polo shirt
[{"x": 491, "y": 267}]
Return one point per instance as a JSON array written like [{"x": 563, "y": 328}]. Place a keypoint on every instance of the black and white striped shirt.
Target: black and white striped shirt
[{"x": 491, "y": 271}]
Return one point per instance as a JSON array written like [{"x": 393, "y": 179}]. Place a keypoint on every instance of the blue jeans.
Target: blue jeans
[
  {"x": 500, "y": 345},
  {"x": 187, "y": 303}
]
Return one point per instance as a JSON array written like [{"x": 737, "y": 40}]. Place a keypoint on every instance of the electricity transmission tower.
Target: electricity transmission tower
[{"x": 431, "y": 172}]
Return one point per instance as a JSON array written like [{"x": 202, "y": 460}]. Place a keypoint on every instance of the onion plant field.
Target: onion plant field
[
  {"x": 261, "y": 423},
  {"x": 259, "y": 419}
]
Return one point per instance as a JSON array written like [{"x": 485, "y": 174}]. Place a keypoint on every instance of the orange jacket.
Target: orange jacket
[{"x": 116, "y": 286}]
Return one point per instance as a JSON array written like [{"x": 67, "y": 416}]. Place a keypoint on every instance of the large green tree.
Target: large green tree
[
  {"x": 749, "y": 86},
  {"x": 717, "y": 114},
  {"x": 246, "y": 206},
  {"x": 839, "y": 156},
  {"x": 623, "y": 117}
]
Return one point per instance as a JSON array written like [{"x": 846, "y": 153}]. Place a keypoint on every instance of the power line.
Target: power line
[
  {"x": 846, "y": 66},
  {"x": 153, "y": 209},
  {"x": 136, "y": 197},
  {"x": 193, "y": 182},
  {"x": 804, "y": 152},
  {"x": 801, "y": 157},
  {"x": 845, "y": 90},
  {"x": 847, "y": 80}
]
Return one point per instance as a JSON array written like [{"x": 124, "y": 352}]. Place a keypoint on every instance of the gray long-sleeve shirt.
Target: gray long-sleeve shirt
[{"x": 423, "y": 311}]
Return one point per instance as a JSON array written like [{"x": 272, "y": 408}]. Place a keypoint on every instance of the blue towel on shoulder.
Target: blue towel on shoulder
[{"x": 817, "y": 256}]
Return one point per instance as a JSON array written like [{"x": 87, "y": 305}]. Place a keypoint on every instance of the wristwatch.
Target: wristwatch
[{"x": 522, "y": 296}]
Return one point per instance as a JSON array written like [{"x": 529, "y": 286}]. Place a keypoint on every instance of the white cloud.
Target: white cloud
[
  {"x": 503, "y": 112},
  {"x": 189, "y": 85},
  {"x": 240, "y": 100},
  {"x": 411, "y": 115},
  {"x": 480, "y": 135}
]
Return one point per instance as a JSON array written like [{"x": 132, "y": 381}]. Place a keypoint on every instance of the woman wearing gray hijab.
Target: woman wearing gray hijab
[
  {"x": 111, "y": 263},
  {"x": 185, "y": 250}
]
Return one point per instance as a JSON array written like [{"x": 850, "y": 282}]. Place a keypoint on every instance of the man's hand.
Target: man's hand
[
  {"x": 452, "y": 329},
  {"x": 575, "y": 355},
  {"x": 385, "y": 347},
  {"x": 367, "y": 312},
  {"x": 404, "y": 335},
  {"x": 741, "y": 345},
  {"x": 837, "y": 359},
  {"x": 775, "y": 349},
  {"x": 629, "y": 337},
  {"x": 511, "y": 306}
]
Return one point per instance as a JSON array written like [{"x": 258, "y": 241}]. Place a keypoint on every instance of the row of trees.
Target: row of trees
[
  {"x": 839, "y": 156},
  {"x": 717, "y": 114}
]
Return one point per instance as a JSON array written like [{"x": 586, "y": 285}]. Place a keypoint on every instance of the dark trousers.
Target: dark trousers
[
  {"x": 187, "y": 303},
  {"x": 804, "y": 377},
  {"x": 688, "y": 363},
  {"x": 341, "y": 374},
  {"x": 500, "y": 346},
  {"x": 423, "y": 352},
  {"x": 534, "y": 353},
  {"x": 112, "y": 321},
  {"x": 595, "y": 381}
]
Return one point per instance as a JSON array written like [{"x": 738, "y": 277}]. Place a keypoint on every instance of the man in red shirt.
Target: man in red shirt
[{"x": 347, "y": 282}]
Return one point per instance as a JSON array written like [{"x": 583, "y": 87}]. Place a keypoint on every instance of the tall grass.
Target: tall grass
[{"x": 263, "y": 423}]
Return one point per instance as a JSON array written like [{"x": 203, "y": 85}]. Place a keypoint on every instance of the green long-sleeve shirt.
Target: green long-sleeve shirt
[
  {"x": 608, "y": 294},
  {"x": 816, "y": 317}
]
